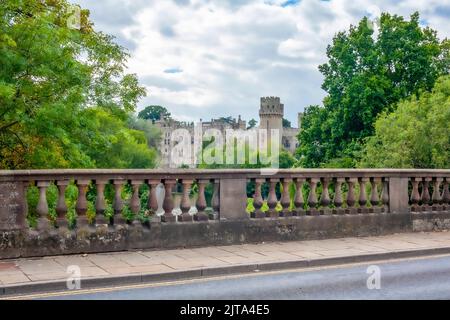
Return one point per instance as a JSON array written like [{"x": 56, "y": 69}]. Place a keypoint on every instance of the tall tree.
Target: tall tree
[
  {"x": 364, "y": 76},
  {"x": 54, "y": 68},
  {"x": 286, "y": 123},
  {"x": 154, "y": 113},
  {"x": 415, "y": 135},
  {"x": 252, "y": 124}
]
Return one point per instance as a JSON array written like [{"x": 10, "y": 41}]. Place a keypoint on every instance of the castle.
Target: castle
[{"x": 271, "y": 114}]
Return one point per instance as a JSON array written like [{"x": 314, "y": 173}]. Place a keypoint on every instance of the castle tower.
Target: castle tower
[{"x": 271, "y": 113}]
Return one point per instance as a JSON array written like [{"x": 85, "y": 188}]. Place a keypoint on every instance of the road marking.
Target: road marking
[{"x": 208, "y": 278}]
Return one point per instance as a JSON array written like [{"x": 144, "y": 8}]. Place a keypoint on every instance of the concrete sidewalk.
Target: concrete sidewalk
[{"x": 103, "y": 269}]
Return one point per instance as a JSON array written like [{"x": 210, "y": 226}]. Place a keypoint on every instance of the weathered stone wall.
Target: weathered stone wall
[
  {"x": 26, "y": 243},
  {"x": 431, "y": 221}
]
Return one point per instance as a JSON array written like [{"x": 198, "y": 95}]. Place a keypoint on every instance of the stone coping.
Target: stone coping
[{"x": 21, "y": 175}]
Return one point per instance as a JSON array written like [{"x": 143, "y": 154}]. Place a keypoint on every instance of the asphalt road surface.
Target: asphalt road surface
[{"x": 421, "y": 278}]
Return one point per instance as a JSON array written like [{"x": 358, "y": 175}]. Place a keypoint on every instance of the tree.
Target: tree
[
  {"x": 152, "y": 132},
  {"x": 252, "y": 124},
  {"x": 154, "y": 113},
  {"x": 286, "y": 123},
  {"x": 365, "y": 76},
  {"x": 228, "y": 119},
  {"x": 415, "y": 135},
  {"x": 55, "y": 78}
]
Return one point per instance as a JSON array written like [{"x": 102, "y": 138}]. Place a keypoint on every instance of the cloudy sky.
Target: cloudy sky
[{"x": 205, "y": 59}]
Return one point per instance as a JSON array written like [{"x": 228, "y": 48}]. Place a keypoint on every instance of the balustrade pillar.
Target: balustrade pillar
[
  {"x": 446, "y": 195},
  {"x": 312, "y": 197},
  {"x": 152, "y": 199},
  {"x": 285, "y": 198},
  {"x": 215, "y": 201},
  {"x": 100, "y": 204},
  {"x": 135, "y": 201},
  {"x": 385, "y": 195},
  {"x": 436, "y": 197},
  {"x": 81, "y": 206},
  {"x": 374, "y": 197},
  {"x": 201, "y": 201},
  {"x": 298, "y": 200},
  {"x": 61, "y": 206},
  {"x": 415, "y": 196},
  {"x": 425, "y": 197},
  {"x": 351, "y": 196},
  {"x": 362, "y": 195},
  {"x": 325, "y": 197},
  {"x": 168, "y": 204},
  {"x": 337, "y": 201},
  {"x": 272, "y": 200},
  {"x": 118, "y": 202},
  {"x": 185, "y": 205},
  {"x": 42, "y": 206},
  {"x": 258, "y": 200}
]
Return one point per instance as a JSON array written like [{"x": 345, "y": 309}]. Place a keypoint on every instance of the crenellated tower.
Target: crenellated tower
[{"x": 271, "y": 113}]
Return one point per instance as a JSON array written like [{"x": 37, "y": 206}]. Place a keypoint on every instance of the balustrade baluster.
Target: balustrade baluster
[
  {"x": 153, "y": 200},
  {"x": 185, "y": 205},
  {"x": 312, "y": 197},
  {"x": 285, "y": 198},
  {"x": 118, "y": 202},
  {"x": 385, "y": 195},
  {"x": 374, "y": 197},
  {"x": 81, "y": 206},
  {"x": 415, "y": 196},
  {"x": 135, "y": 202},
  {"x": 168, "y": 204},
  {"x": 362, "y": 195},
  {"x": 215, "y": 201},
  {"x": 446, "y": 195},
  {"x": 42, "y": 206},
  {"x": 201, "y": 201},
  {"x": 425, "y": 196},
  {"x": 100, "y": 205},
  {"x": 298, "y": 200},
  {"x": 61, "y": 206},
  {"x": 337, "y": 201},
  {"x": 325, "y": 197},
  {"x": 258, "y": 200},
  {"x": 272, "y": 200},
  {"x": 351, "y": 196},
  {"x": 436, "y": 197}
]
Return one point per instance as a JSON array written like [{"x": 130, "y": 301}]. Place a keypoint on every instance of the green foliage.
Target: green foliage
[
  {"x": 416, "y": 135},
  {"x": 64, "y": 94},
  {"x": 154, "y": 113},
  {"x": 252, "y": 124},
  {"x": 286, "y": 123},
  {"x": 152, "y": 133},
  {"x": 364, "y": 77}
]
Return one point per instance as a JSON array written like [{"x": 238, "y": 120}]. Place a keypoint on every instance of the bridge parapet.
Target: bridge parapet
[{"x": 190, "y": 197}]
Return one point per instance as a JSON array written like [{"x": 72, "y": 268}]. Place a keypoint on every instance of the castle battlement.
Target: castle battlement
[{"x": 271, "y": 106}]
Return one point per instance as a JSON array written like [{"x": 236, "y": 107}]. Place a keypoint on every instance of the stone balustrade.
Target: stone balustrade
[{"x": 219, "y": 196}]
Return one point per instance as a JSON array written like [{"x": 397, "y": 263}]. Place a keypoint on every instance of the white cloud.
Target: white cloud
[{"x": 205, "y": 59}]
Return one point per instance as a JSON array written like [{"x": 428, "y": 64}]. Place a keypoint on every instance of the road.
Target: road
[{"x": 421, "y": 278}]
